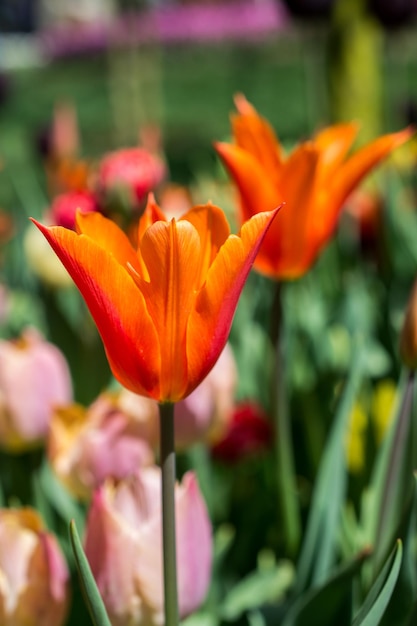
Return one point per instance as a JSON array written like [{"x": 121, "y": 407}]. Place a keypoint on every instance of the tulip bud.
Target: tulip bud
[
  {"x": 33, "y": 572},
  {"x": 34, "y": 378},
  {"x": 65, "y": 206},
  {"x": 408, "y": 337},
  {"x": 207, "y": 410},
  {"x": 132, "y": 170},
  {"x": 86, "y": 446},
  {"x": 123, "y": 546}
]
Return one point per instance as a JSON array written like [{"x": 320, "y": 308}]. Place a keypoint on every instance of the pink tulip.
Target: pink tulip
[
  {"x": 34, "y": 378},
  {"x": 133, "y": 169},
  {"x": 33, "y": 572},
  {"x": 86, "y": 446},
  {"x": 65, "y": 205},
  {"x": 123, "y": 545},
  {"x": 207, "y": 410}
]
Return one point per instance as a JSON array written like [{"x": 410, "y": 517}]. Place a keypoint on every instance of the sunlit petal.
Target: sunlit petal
[
  {"x": 210, "y": 322},
  {"x": 117, "y": 306}
]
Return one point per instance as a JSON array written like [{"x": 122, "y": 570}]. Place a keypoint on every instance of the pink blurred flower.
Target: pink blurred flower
[
  {"x": 132, "y": 169},
  {"x": 34, "y": 378},
  {"x": 86, "y": 446},
  {"x": 123, "y": 546},
  {"x": 64, "y": 207},
  {"x": 207, "y": 410},
  {"x": 248, "y": 433},
  {"x": 33, "y": 572}
]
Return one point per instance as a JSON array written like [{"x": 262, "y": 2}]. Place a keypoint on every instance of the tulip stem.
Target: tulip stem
[
  {"x": 167, "y": 461},
  {"x": 287, "y": 488}
]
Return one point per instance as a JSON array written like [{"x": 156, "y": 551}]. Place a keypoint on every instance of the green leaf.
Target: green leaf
[
  {"x": 89, "y": 588},
  {"x": 319, "y": 546},
  {"x": 260, "y": 587},
  {"x": 377, "y": 600},
  {"x": 392, "y": 485},
  {"x": 329, "y": 603},
  {"x": 404, "y": 597}
]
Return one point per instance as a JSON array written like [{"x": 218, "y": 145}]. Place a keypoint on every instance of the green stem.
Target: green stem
[
  {"x": 287, "y": 488},
  {"x": 167, "y": 460}
]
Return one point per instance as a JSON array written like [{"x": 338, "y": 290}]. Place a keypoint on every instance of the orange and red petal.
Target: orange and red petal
[
  {"x": 333, "y": 143},
  {"x": 354, "y": 169},
  {"x": 213, "y": 229},
  {"x": 107, "y": 235},
  {"x": 257, "y": 192},
  {"x": 171, "y": 252},
  {"x": 210, "y": 321},
  {"x": 254, "y": 134},
  {"x": 117, "y": 307}
]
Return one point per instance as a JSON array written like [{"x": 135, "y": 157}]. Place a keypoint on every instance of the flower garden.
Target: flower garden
[{"x": 208, "y": 314}]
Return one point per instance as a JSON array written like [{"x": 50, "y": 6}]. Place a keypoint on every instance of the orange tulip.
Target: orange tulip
[
  {"x": 314, "y": 182},
  {"x": 164, "y": 311}
]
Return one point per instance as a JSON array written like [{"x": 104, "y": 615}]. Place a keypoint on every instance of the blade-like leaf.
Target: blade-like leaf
[
  {"x": 327, "y": 604},
  {"x": 381, "y": 591},
  {"x": 318, "y": 550},
  {"x": 91, "y": 593}
]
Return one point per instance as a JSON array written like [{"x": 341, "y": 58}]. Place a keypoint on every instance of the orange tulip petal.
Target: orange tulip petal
[
  {"x": 107, "y": 235},
  {"x": 171, "y": 252},
  {"x": 257, "y": 192},
  {"x": 355, "y": 168},
  {"x": 213, "y": 229},
  {"x": 285, "y": 246},
  {"x": 151, "y": 214},
  {"x": 255, "y": 135},
  {"x": 209, "y": 323},
  {"x": 334, "y": 143},
  {"x": 117, "y": 306}
]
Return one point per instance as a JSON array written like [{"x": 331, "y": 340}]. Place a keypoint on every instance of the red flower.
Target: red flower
[{"x": 249, "y": 433}]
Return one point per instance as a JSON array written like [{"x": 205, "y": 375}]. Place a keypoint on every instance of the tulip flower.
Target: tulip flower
[
  {"x": 248, "y": 433},
  {"x": 123, "y": 546},
  {"x": 132, "y": 169},
  {"x": 314, "y": 181},
  {"x": 164, "y": 310},
  {"x": 34, "y": 378},
  {"x": 65, "y": 206},
  {"x": 86, "y": 446},
  {"x": 33, "y": 572}
]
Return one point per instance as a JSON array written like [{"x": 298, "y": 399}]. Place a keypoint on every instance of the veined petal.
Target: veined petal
[
  {"x": 210, "y": 321},
  {"x": 171, "y": 252},
  {"x": 351, "y": 173},
  {"x": 213, "y": 229},
  {"x": 151, "y": 214},
  {"x": 117, "y": 306},
  {"x": 255, "y": 134},
  {"x": 108, "y": 236},
  {"x": 257, "y": 193}
]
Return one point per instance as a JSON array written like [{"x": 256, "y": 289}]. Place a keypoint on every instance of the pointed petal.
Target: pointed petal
[
  {"x": 171, "y": 252},
  {"x": 257, "y": 192},
  {"x": 213, "y": 228},
  {"x": 151, "y": 214},
  {"x": 194, "y": 545},
  {"x": 255, "y": 135},
  {"x": 334, "y": 143},
  {"x": 117, "y": 306},
  {"x": 210, "y": 321},
  {"x": 107, "y": 235},
  {"x": 286, "y": 243},
  {"x": 355, "y": 168}
]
